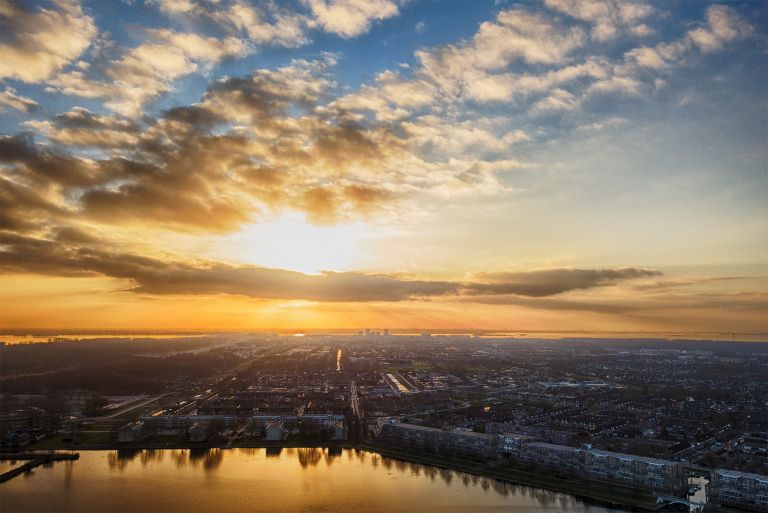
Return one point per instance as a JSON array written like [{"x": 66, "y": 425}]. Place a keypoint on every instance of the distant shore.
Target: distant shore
[{"x": 23, "y": 336}]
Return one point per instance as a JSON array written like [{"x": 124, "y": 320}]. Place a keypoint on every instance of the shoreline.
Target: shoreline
[{"x": 609, "y": 495}]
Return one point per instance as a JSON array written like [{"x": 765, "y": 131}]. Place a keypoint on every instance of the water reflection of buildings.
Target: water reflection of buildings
[
  {"x": 451, "y": 478},
  {"x": 309, "y": 456},
  {"x": 274, "y": 452},
  {"x": 209, "y": 458}
]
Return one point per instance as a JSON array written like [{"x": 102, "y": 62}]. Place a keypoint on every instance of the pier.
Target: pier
[{"x": 35, "y": 460}]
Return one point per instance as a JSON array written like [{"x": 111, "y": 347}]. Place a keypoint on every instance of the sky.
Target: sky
[{"x": 550, "y": 165}]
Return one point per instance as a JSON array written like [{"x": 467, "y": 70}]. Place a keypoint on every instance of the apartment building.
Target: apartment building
[
  {"x": 738, "y": 489},
  {"x": 459, "y": 442},
  {"x": 637, "y": 471}
]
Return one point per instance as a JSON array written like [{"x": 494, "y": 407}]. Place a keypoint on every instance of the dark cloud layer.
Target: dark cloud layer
[
  {"x": 549, "y": 282},
  {"x": 70, "y": 254},
  {"x": 25, "y": 208},
  {"x": 733, "y": 302}
]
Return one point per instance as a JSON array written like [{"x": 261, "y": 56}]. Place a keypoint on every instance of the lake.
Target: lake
[{"x": 248, "y": 480}]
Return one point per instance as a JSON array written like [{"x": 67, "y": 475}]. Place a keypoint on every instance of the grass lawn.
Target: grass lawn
[
  {"x": 90, "y": 438},
  {"x": 54, "y": 442},
  {"x": 99, "y": 427},
  {"x": 100, "y": 437}
]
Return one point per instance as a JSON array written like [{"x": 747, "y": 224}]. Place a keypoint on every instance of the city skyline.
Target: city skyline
[{"x": 551, "y": 166}]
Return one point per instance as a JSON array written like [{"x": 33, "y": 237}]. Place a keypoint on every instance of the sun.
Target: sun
[{"x": 289, "y": 242}]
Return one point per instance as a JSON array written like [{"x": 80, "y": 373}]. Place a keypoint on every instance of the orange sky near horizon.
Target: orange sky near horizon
[
  {"x": 482, "y": 165},
  {"x": 105, "y": 304}
]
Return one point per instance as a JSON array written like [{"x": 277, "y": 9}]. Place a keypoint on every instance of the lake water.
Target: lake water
[{"x": 249, "y": 480}]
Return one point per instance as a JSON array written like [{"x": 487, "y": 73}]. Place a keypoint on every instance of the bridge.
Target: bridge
[{"x": 668, "y": 500}]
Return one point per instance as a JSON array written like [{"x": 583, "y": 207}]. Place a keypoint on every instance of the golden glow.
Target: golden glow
[
  {"x": 289, "y": 242},
  {"x": 101, "y": 303}
]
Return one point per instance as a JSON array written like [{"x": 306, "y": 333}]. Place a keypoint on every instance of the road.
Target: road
[
  {"x": 355, "y": 401},
  {"x": 131, "y": 408}
]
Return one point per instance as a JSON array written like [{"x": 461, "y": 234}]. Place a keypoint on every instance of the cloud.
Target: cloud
[
  {"x": 266, "y": 142},
  {"x": 724, "y": 25},
  {"x": 515, "y": 35},
  {"x": 476, "y": 70},
  {"x": 536, "y": 64},
  {"x": 480, "y": 138},
  {"x": 43, "y": 168},
  {"x": 516, "y": 58},
  {"x": 38, "y": 43},
  {"x": 262, "y": 24},
  {"x": 611, "y": 122},
  {"x": 27, "y": 209},
  {"x": 80, "y": 127},
  {"x": 609, "y": 18},
  {"x": 391, "y": 98},
  {"x": 550, "y": 282},
  {"x": 350, "y": 18},
  {"x": 283, "y": 138},
  {"x": 148, "y": 70},
  {"x": 174, "y": 171},
  {"x": 268, "y": 23},
  {"x": 72, "y": 253},
  {"x": 543, "y": 303},
  {"x": 152, "y": 276},
  {"x": 10, "y": 99},
  {"x": 266, "y": 94},
  {"x": 120, "y": 190},
  {"x": 704, "y": 306}
]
